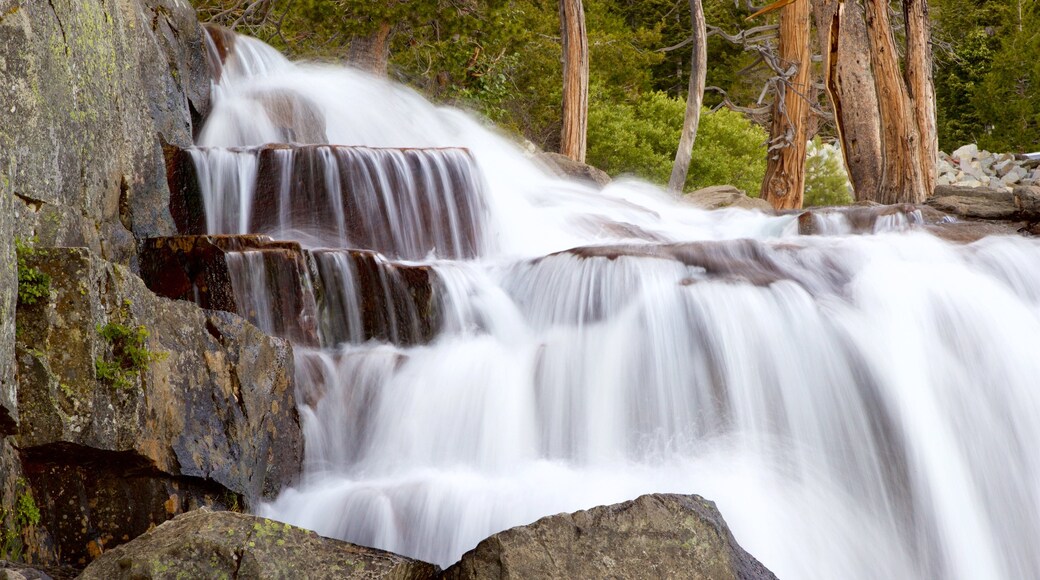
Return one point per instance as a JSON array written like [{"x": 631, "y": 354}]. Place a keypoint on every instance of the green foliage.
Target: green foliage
[
  {"x": 987, "y": 74},
  {"x": 129, "y": 356},
  {"x": 641, "y": 140},
  {"x": 33, "y": 285},
  {"x": 1008, "y": 99},
  {"x": 26, "y": 516},
  {"x": 826, "y": 182}
]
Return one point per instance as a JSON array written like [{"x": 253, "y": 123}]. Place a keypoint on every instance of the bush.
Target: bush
[
  {"x": 130, "y": 355},
  {"x": 33, "y": 284},
  {"x": 641, "y": 138},
  {"x": 826, "y": 182}
]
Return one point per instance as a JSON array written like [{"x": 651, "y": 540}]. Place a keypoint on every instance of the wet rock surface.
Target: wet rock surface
[
  {"x": 135, "y": 408},
  {"x": 204, "y": 544},
  {"x": 203, "y": 270},
  {"x": 312, "y": 294},
  {"x": 653, "y": 536},
  {"x": 401, "y": 202}
]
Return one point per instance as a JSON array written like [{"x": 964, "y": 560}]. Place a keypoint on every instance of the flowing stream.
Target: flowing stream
[{"x": 859, "y": 406}]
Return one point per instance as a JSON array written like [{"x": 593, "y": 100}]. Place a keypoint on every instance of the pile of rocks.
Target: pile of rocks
[{"x": 969, "y": 166}]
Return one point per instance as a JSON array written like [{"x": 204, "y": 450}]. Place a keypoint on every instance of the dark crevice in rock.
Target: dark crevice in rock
[
  {"x": 61, "y": 27},
  {"x": 31, "y": 203},
  {"x": 8, "y": 425}
]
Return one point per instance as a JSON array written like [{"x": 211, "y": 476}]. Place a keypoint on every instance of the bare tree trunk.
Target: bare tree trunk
[
  {"x": 919, "y": 84},
  {"x": 575, "y": 80},
  {"x": 850, "y": 86},
  {"x": 784, "y": 183},
  {"x": 902, "y": 179},
  {"x": 371, "y": 52},
  {"x": 694, "y": 98}
]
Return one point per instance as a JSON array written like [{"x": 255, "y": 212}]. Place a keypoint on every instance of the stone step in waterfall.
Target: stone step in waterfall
[
  {"x": 403, "y": 203},
  {"x": 319, "y": 297}
]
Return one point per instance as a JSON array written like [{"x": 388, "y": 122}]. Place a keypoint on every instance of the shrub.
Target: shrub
[
  {"x": 33, "y": 285},
  {"x": 130, "y": 354},
  {"x": 826, "y": 182},
  {"x": 641, "y": 138}
]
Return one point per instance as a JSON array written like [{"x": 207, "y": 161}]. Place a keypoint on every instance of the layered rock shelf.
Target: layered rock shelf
[
  {"x": 312, "y": 297},
  {"x": 403, "y": 203},
  {"x": 133, "y": 408}
]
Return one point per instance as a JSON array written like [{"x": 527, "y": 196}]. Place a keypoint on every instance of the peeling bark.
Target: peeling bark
[
  {"x": 575, "y": 80},
  {"x": 850, "y": 88},
  {"x": 784, "y": 183}
]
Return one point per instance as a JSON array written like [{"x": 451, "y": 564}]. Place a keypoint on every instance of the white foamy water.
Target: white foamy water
[{"x": 858, "y": 406}]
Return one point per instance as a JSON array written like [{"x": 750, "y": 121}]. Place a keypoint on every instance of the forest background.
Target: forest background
[{"x": 502, "y": 60}]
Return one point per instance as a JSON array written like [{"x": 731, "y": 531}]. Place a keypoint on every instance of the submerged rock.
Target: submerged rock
[
  {"x": 720, "y": 196},
  {"x": 134, "y": 408},
  {"x": 205, "y": 544},
  {"x": 653, "y": 536},
  {"x": 566, "y": 167}
]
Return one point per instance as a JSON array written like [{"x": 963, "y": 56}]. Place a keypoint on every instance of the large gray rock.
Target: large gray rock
[
  {"x": 110, "y": 447},
  {"x": 653, "y": 536},
  {"x": 204, "y": 544},
  {"x": 91, "y": 89}
]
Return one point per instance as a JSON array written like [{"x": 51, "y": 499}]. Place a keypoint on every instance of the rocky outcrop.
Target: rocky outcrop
[
  {"x": 134, "y": 408},
  {"x": 653, "y": 536},
  {"x": 91, "y": 90},
  {"x": 720, "y": 196},
  {"x": 204, "y": 544}
]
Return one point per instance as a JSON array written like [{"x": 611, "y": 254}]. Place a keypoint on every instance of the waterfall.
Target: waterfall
[{"x": 498, "y": 344}]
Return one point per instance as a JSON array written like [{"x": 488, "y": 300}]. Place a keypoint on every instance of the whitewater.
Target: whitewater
[{"x": 858, "y": 405}]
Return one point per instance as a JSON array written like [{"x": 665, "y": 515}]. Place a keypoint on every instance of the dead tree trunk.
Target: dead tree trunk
[
  {"x": 920, "y": 87},
  {"x": 784, "y": 183},
  {"x": 694, "y": 98},
  {"x": 902, "y": 178},
  {"x": 885, "y": 118},
  {"x": 575, "y": 79},
  {"x": 372, "y": 51},
  {"x": 850, "y": 87}
]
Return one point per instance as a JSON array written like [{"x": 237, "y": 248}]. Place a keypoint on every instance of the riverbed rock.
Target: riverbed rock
[
  {"x": 566, "y": 167},
  {"x": 720, "y": 196},
  {"x": 653, "y": 536},
  {"x": 205, "y": 544},
  {"x": 135, "y": 408}
]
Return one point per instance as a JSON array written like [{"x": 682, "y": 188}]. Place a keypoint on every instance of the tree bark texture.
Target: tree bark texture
[
  {"x": 902, "y": 177},
  {"x": 694, "y": 98},
  {"x": 784, "y": 183},
  {"x": 371, "y": 52},
  {"x": 575, "y": 80},
  {"x": 885, "y": 117},
  {"x": 850, "y": 87},
  {"x": 920, "y": 87}
]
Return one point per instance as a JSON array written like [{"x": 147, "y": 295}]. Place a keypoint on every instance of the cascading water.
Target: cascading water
[{"x": 859, "y": 406}]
